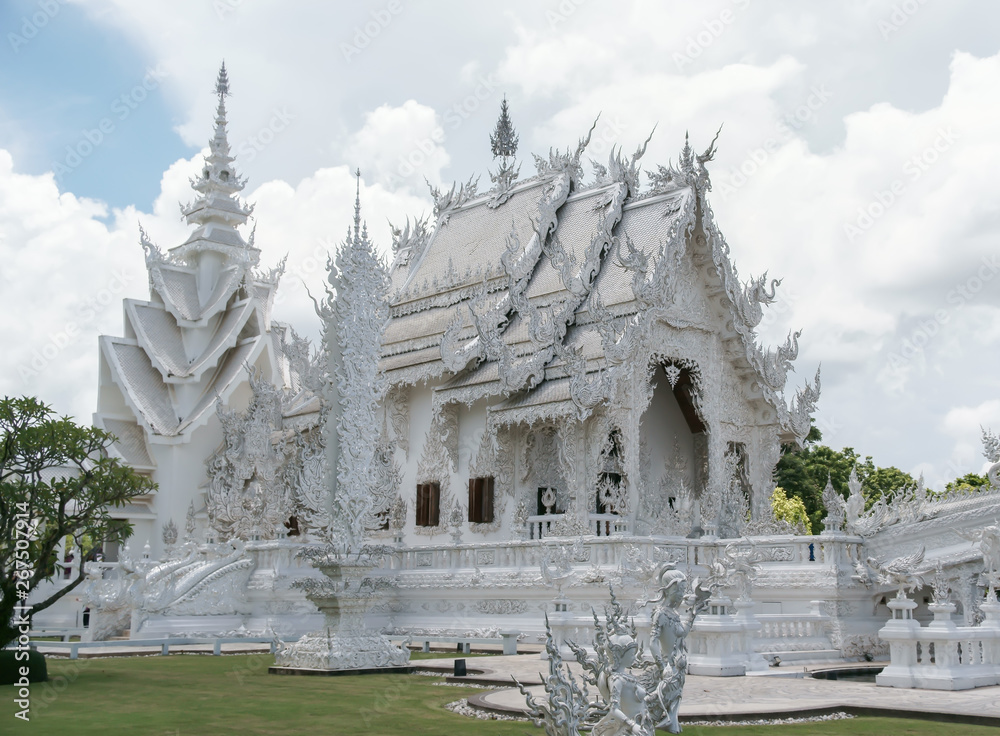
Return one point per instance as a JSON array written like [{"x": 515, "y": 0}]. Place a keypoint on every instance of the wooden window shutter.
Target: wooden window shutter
[
  {"x": 435, "y": 504},
  {"x": 488, "y": 500},
  {"x": 428, "y": 504},
  {"x": 481, "y": 500},
  {"x": 474, "y": 512}
]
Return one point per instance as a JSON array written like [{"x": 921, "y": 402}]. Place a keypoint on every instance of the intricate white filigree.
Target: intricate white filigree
[
  {"x": 169, "y": 533},
  {"x": 446, "y": 202},
  {"x": 354, "y": 314},
  {"x": 398, "y": 413},
  {"x": 408, "y": 243},
  {"x": 245, "y": 498}
]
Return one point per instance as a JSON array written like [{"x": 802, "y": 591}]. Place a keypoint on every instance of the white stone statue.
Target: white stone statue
[
  {"x": 634, "y": 697},
  {"x": 628, "y": 713},
  {"x": 564, "y": 708},
  {"x": 668, "y": 645},
  {"x": 900, "y": 572},
  {"x": 987, "y": 540}
]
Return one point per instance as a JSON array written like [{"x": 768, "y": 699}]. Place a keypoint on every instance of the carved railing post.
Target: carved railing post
[{"x": 902, "y": 633}]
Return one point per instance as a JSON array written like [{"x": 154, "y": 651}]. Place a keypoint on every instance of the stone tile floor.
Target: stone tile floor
[{"x": 781, "y": 691}]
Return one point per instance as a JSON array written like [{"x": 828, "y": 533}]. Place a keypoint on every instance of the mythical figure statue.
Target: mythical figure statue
[
  {"x": 621, "y": 709},
  {"x": 628, "y": 714},
  {"x": 991, "y": 450},
  {"x": 987, "y": 540},
  {"x": 900, "y": 572},
  {"x": 563, "y": 711},
  {"x": 635, "y": 697},
  {"x": 664, "y": 679}
]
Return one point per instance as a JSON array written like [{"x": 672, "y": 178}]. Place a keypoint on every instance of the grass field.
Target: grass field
[{"x": 186, "y": 695}]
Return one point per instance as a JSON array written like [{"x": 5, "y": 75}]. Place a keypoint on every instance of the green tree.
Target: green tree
[
  {"x": 56, "y": 481},
  {"x": 803, "y": 474},
  {"x": 968, "y": 483},
  {"x": 791, "y": 509},
  {"x": 888, "y": 482}
]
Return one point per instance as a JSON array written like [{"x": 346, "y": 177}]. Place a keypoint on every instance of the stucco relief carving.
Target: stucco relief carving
[
  {"x": 398, "y": 415},
  {"x": 245, "y": 497},
  {"x": 501, "y": 606},
  {"x": 495, "y": 458},
  {"x": 435, "y": 466},
  {"x": 310, "y": 487},
  {"x": 542, "y": 466},
  {"x": 667, "y": 506}
]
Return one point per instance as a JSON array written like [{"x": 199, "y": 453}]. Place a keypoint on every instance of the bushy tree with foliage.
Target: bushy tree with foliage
[
  {"x": 803, "y": 473},
  {"x": 56, "y": 481},
  {"x": 968, "y": 483},
  {"x": 791, "y": 510}
]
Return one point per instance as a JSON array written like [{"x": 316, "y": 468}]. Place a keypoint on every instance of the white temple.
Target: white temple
[
  {"x": 569, "y": 392},
  {"x": 207, "y": 320}
]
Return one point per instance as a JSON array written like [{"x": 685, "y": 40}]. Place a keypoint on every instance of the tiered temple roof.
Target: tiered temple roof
[{"x": 207, "y": 319}]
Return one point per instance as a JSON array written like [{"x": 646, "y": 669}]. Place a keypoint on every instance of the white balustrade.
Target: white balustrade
[
  {"x": 716, "y": 641},
  {"x": 606, "y": 525},
  {"x": 603, "y": 547},
  {"x": 539, "y": 526},
  {"x": 941, "y": 655}
]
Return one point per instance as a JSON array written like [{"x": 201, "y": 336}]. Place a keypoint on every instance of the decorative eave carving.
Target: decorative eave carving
[
  {"x": 447, "y": 202},
  {"x": 567, "y": 162},
  {"x": 409, "y": 243},
  {"x": 771, "y": 366}
]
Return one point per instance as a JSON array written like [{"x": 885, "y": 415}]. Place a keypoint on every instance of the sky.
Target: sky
[{"x": 856, "y": 162}]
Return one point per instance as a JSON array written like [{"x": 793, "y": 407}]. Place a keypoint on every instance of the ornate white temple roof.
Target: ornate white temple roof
[
  {"x": 552, "y": 279},
  {"x": 207, "y": 320}
]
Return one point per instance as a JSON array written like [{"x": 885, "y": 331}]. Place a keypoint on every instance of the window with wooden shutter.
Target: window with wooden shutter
[
  {"x": 428, "y": 504},
  {"x": 481, "y": 500}
]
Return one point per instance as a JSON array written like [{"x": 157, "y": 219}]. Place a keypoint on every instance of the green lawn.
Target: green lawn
[{"x": 184, "y": 695}]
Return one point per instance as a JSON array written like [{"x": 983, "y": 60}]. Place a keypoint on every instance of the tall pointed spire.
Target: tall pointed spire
[
  {"x": 354, "y": 314},
  {"x": 217, "y": 209}
]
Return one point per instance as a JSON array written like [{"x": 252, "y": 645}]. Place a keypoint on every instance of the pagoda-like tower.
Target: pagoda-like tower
[{"x": 207, "y": 321}]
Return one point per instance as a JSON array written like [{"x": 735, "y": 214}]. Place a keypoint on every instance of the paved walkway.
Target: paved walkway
[{"x": 780, "y": 692}]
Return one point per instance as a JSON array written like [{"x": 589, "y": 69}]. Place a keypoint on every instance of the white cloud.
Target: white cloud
[
  {"x": 964, "y": 420},
  {"x": 964, "y": 423},
  {"x": 65, "y": 274},
  {"x": 401, "y": 146},
  {"x": 822, "y": 115}
]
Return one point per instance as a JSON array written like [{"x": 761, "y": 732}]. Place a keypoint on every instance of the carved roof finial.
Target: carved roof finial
[
  {"x": 219, "y": 183},
  {"x": 222, "y": 82},
  {"x": 687, "y": 156},
  {"x": 503, "y": 142},
  {"x": 503, "y": 139}
]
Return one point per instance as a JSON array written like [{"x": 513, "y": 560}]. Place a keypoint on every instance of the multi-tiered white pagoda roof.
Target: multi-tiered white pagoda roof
[{"x": 207, "y": 318}]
